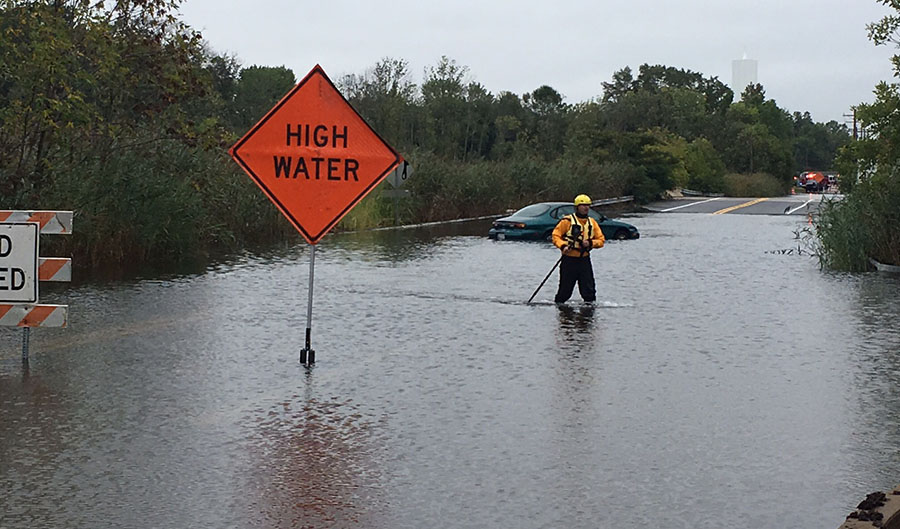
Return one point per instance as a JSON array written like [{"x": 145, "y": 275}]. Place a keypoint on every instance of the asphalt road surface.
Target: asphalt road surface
[{"x": 799, "y": 204}]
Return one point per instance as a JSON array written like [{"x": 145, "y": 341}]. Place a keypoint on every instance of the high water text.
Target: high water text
[{"x": 317, "y": 137}]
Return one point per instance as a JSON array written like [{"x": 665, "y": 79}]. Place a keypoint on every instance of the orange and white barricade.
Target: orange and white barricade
[{"x": 24, "y": 310}]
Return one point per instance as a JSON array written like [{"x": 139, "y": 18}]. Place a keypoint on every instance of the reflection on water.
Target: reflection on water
[
  {"x": 576, "y": 324},
  {"x": 876, "y": 374},
  {"x": 313, "y": 466},
  {"x": 710, "y": 369}
]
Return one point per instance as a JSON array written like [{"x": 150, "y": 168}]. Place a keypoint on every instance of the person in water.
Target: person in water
[{"x": 576, "y": 235}]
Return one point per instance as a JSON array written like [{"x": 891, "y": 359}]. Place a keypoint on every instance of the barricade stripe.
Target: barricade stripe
[
  {"x": 49, "y": 221},
  {"x": 42, "y": 217},
  {"x": 34, "y": 315},
  {"x": 55, "y": 269},
  {"x": 58, "y": 317}
]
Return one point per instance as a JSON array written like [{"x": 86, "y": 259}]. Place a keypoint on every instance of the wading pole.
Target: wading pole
[
  {"x": 307, "y": 355},
  {"x": 545, "y": 280}
]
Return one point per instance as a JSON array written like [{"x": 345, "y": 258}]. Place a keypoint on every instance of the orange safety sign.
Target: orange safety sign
[{"x": 314, "y": 156}]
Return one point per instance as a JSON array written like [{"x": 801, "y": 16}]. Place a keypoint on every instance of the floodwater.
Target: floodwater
[{"x": 721, "y": 379}]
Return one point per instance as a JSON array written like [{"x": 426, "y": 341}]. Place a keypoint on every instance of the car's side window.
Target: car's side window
[{"x": 562, "y": 211}]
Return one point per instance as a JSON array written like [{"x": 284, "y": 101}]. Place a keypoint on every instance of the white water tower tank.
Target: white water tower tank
[{"x": 743, "y": 73}]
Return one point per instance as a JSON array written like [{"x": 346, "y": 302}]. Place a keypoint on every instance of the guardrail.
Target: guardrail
[
  {"x": 692, "y": 193},
  {"x": 616, "y": 200},
  {"x": 884, "y": 267}
]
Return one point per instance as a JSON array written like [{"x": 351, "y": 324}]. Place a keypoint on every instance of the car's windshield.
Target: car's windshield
[
  {"x": 562, "y": 211},
  {"x": 533, "y": 210}
]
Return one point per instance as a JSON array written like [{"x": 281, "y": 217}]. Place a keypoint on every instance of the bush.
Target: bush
[
  {"x": 861, "y": 226},
  {"x": 446, "y": 189},
  {"x": 754, "y": 185},
  {"x": 842, "y": 237}
]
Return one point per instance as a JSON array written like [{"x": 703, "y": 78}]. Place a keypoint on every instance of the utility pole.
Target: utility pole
[{"x": 855, "y": 129}]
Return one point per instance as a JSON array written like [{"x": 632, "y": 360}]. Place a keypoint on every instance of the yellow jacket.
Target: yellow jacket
[{"x": 562, "y": 232}]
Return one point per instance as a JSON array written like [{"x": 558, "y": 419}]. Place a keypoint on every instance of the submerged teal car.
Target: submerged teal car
[{"x": 538, "y": 220}]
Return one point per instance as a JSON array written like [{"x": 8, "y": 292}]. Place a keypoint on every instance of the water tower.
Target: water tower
[{"x": 743, "y": 73}]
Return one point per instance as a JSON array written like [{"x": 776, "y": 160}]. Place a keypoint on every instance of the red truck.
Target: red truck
[{"x": 813, "y": 181}]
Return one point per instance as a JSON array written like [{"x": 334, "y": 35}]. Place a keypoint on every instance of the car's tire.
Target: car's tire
[{"x": 620, "y": 235}]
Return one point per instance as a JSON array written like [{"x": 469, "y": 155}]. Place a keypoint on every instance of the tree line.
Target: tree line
[
  {"x": 660, "y": 128},
  {"x": 124, "y": 114}
]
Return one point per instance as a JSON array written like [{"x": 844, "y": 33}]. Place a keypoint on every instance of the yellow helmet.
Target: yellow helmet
[{"x": 582, "y": 199}]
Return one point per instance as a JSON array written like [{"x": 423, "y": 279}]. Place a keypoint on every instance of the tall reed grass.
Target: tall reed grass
[{"x": 863, "y": 225}]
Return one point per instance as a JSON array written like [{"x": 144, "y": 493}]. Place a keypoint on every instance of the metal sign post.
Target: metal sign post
[
  {"x": 26, "y": 337},
  {"x": 307, "y": 355}
]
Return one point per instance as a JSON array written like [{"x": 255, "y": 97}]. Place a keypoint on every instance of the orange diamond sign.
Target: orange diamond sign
[{"x": 314, "y": 156}]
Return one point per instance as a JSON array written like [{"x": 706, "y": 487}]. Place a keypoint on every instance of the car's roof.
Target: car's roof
[
  {"x": 606, "y": 221},
  {"x": 550, "y": 204}
]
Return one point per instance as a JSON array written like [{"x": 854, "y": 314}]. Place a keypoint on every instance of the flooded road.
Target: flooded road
[{"x": 719, "y": 380}]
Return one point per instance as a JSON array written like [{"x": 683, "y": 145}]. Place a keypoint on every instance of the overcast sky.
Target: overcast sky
[{"x": 813, "y": 55}]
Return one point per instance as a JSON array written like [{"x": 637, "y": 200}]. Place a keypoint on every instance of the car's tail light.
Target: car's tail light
[{"x": 507, "y": 224}]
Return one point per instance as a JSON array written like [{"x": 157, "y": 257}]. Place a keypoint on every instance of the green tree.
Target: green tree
[
  {"x": 509, "y": 124},
  {"x": 679, "y": 100},
  {"x": 704, "y": 167},
  {"x": 754, "y": 95},
  {"x": 622, "y": 83},
  {"x": 679, "y": 110},
  {"x": 547, "y": 121},
  {"x": 444, "y": 106},
  {"x": 113, "y": 110},
  {"x": 257, "y": 90},
  {"x": 80, "y": 81},
  {"x": 758, "y": 136},
  {"x": 223, "y": 71},
  {"x": 481, "y": 128},
  {"x": 816, "y": 144},
  {"x": 653, "y": 78},
  {"x": 386, "y": 97}
]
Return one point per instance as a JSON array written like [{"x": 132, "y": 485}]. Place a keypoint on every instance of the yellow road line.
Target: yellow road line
[{"x": 739, "y": 206}]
